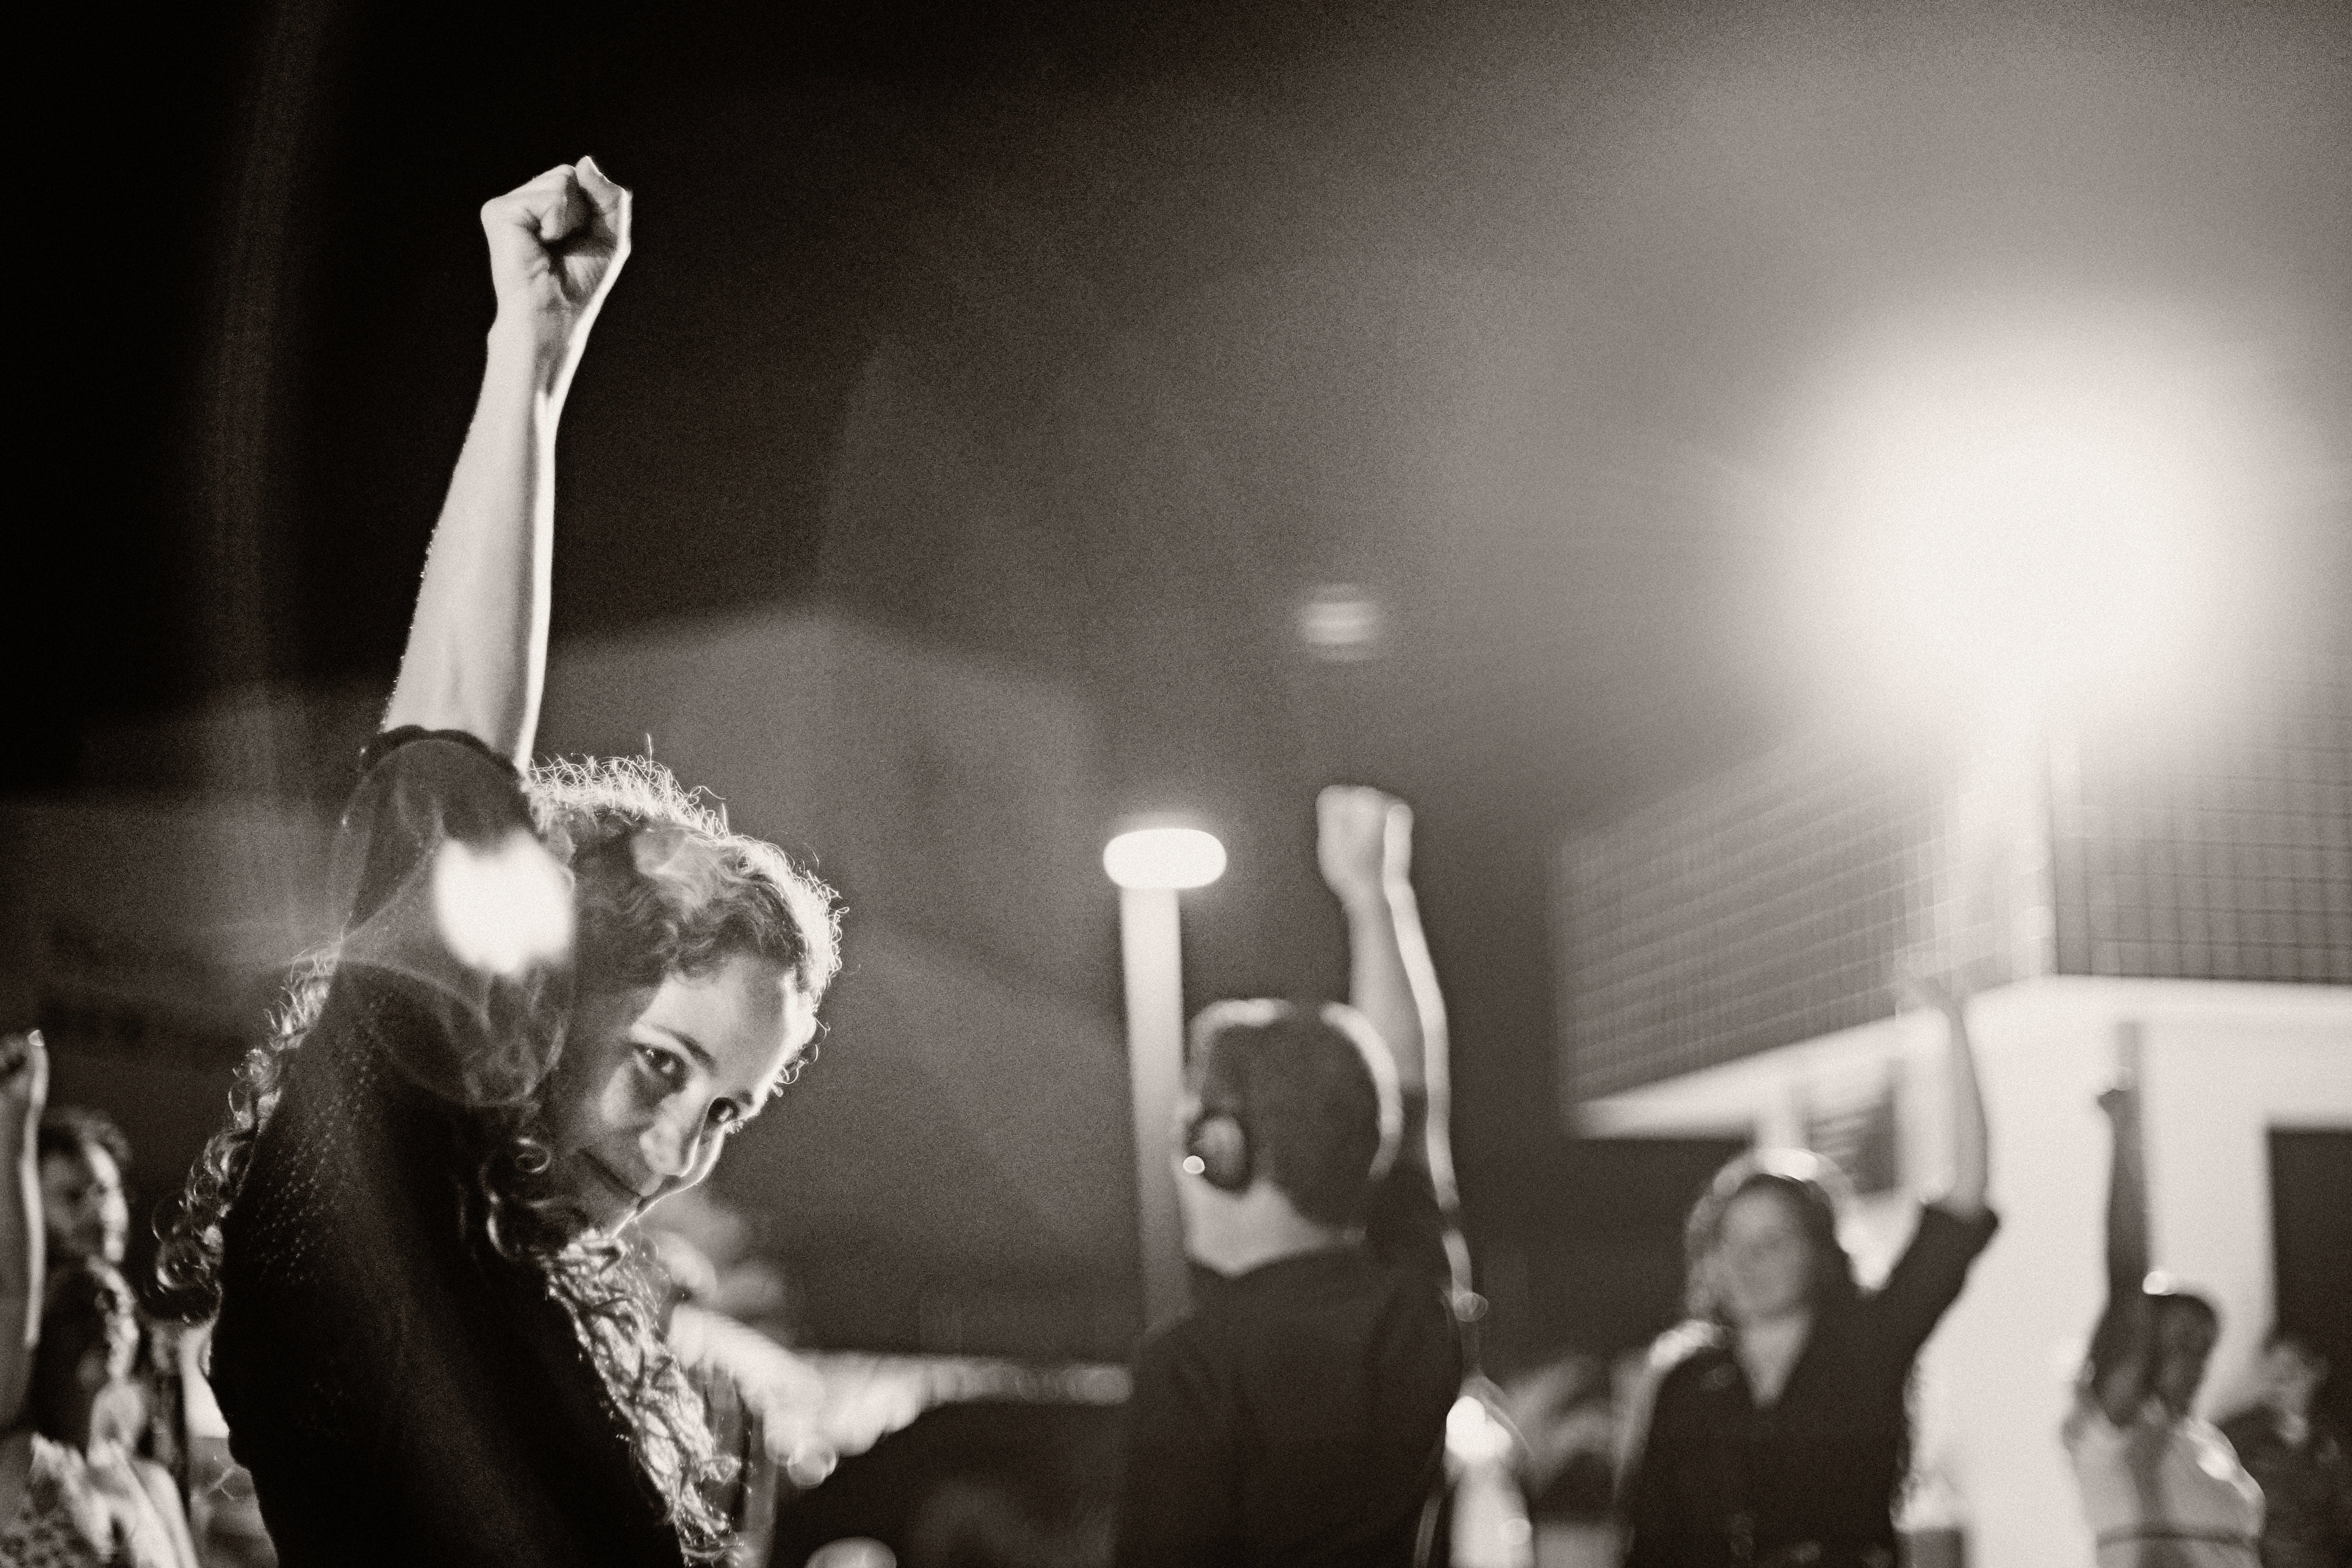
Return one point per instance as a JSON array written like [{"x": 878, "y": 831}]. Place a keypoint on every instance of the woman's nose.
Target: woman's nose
[{"x": 672, "y": 1145}]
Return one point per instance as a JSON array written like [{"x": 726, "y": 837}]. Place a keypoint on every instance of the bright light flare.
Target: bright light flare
[
  {"x": 1164, "y": 858},
  {"x": 1472, "y": 1436},
  {"x": 505, "y": 908},
  {"x": 2037, "y": 511}
]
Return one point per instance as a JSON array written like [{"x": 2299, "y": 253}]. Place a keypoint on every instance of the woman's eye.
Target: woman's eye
[{"x": 662, "y": 1065}]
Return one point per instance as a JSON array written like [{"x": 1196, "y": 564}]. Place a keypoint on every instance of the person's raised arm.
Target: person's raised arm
[
  {"x": 1363, "y": 843},
  {"x": 1971, "y": 1138},
  {"x": 24, "y": 1088},
  {"x": 2121, "y": 1345},
  {"x": 476, "y": 653},
  {"x": 1364, "y": 846}
]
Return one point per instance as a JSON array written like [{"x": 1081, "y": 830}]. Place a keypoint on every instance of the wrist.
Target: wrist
[{"x": 534, "y": 343}]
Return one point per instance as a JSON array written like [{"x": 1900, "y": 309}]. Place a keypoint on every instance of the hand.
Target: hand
[
  {"x": 556, "y": 246},
  {"x": 1364, "y": 841},
  {"x": 24, "y": 1082},
  {"x": 1922, "y": 987}
]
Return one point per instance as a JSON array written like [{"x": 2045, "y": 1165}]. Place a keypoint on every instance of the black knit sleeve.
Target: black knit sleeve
[
  {"x": 1927, "y": 1278},
  {"x": 450, "y": 898}
]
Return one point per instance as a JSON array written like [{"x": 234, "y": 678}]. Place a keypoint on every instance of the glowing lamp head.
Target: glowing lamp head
[{"x": 1164, "y": 858}]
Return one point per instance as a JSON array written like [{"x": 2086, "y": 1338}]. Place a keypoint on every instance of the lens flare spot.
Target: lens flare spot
[{"x": 505, "y": 908}]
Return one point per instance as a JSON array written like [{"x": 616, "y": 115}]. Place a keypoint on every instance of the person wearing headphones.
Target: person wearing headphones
[{"x": 1296, "y": 1415}]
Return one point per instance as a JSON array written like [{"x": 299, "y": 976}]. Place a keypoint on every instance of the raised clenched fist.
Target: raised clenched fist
[
  {"x": 556, "y": 246},
  {"x": 1363, "y": 840}
]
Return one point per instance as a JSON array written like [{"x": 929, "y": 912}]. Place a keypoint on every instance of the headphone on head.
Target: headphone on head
[{"x": 1216, "y": 1134}]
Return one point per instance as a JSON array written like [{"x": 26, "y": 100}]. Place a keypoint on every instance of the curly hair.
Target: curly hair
[
  {"x": 1813, "y": 1186},
  {"x": 660, "y": 886}
]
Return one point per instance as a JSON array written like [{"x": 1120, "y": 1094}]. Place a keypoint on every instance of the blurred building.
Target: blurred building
[{"x": 2185, "y": 896}]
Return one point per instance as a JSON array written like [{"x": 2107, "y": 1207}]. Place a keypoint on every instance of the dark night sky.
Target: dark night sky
[{"x": 1499, "y": 309}]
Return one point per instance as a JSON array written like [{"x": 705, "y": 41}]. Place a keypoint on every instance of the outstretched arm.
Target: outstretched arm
[
  {"x": 24, "y": 1088},
  {"x": 1364, "y": 845},
  {"x": 477, "y": 654},
  {"x": 2120, "y": 1346},
  {"x": 1971, "y": 1138}
]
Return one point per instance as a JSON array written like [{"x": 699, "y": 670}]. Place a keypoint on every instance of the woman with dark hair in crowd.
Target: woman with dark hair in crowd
[
  {"x": 558, "y": 990},
  {"x": 1778, "y": 1434},
  {"x": 71, "y": 1490},
  {"x": 2160, "y": 1487},
  {"x": 2296, "y": 1455}
]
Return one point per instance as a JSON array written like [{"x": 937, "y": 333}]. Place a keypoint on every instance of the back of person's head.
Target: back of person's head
[
  {"x": 2170, "y": 1299},
  {"x": 1312, "y": 1094},
  {"x": 662, "y": 887},
  {"x": 1812, "y": 1189}
]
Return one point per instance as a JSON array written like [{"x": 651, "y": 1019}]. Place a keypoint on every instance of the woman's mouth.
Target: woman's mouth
[{"x": 613, "y": 1182}]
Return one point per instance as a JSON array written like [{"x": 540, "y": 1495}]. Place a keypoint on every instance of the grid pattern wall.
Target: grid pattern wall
[
  {"x": 2234, "y": 864},
  {"x": 1764, "y": 907}
]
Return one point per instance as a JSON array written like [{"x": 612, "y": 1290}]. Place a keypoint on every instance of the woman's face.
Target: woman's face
[
  {"x": 652, "y": 1081},
  {"x": 82, "y": 1205},
  {"x": 2184, "y": 1343},
  {"x": 1762, "y": 1261}
]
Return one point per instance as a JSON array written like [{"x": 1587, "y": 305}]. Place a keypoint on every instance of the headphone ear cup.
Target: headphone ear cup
[{"x": 1222, "y": 1149}]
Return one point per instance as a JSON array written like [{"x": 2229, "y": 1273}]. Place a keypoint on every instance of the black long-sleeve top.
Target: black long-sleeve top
[
  {"x": 1725, "y": 1483},
  {"x": 402, "y": 1395},
  {"x": 1296, "y": 1415}
]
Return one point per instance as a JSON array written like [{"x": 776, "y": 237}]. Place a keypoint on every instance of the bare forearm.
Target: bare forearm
[
  {"x": 2127, "y": 1251},
  {"x": 477, "y": 652},
  {"x": 1381, "y": 982},
  {"x": 20, "y": 1272},
  {"x": 1971, "y": 1135},
  {"x": 2121, "y": 1343}
]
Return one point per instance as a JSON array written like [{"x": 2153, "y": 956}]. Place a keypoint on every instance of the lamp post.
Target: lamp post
[{"x": 1150, "y": 865}]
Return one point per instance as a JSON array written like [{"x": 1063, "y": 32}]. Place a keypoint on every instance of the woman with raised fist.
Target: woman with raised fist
[{"x": 558, "y": 989}]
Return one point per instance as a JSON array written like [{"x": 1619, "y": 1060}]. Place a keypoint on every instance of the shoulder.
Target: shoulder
[
  {"x": 1949, "y": 1230},
  {"x": 2247, "y": 1428},
  {"x": 421, "y": 745},
  {"x": 1682, "y": 1358},
  {"x": 2088, "y": 1430}
]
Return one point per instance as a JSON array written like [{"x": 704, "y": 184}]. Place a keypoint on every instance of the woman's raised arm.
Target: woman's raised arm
[
  {"x": 24, "y": 1090},
  {"x": 477, "y": 654},
  {"x": 1971, "y": 1136},
  {"x": 1364, "y": 846},
  {"x": 2121, "y": 1343}
]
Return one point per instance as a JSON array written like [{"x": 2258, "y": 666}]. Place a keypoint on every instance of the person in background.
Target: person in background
[
  {"x": 1296, "y": 1415},
  {"x": 86, "y": 1216},
  {"x": 558, "y": 989},
  {"x": 1778, "y": 1431},
  {"x": 71, "y": 1490},
  {"x": 1566, "y": 1416},
  {"x": 2160, "y": 1487},
  {"x": 2298, "y": 1456}
]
